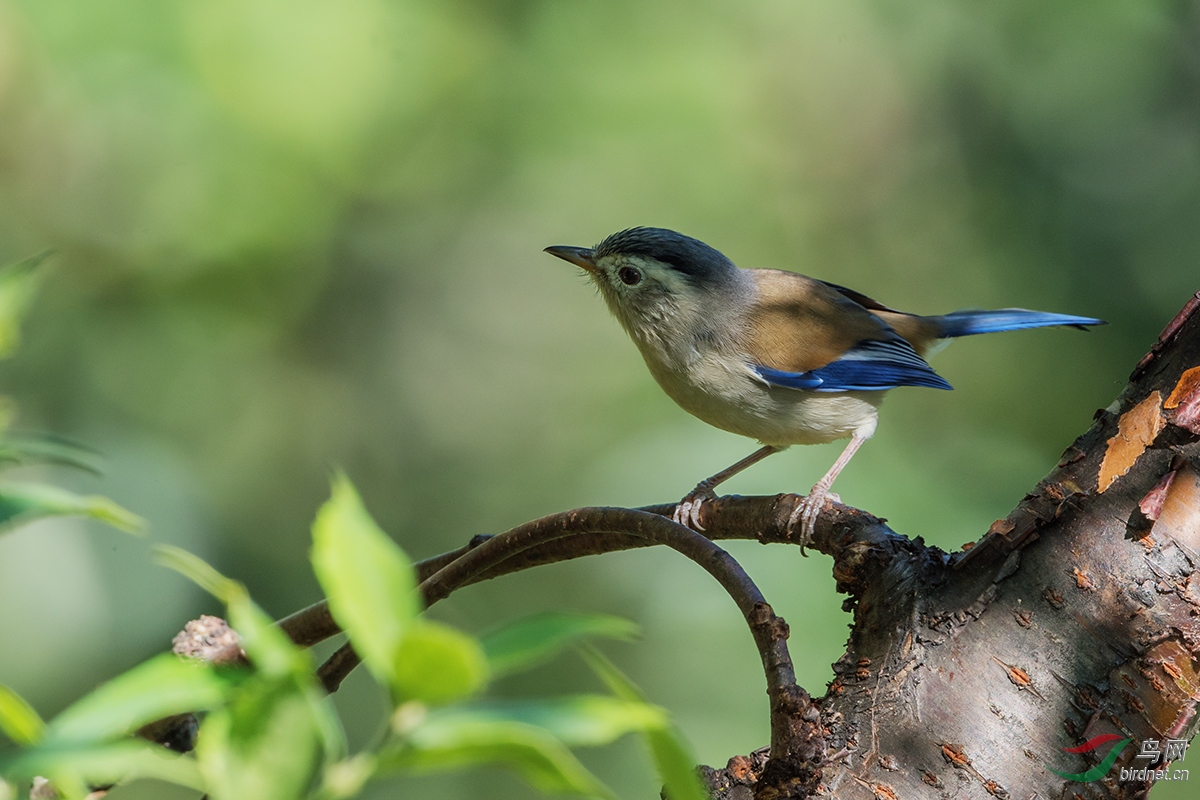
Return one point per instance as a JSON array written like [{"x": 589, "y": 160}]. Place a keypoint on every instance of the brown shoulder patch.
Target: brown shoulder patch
[{"x": 801, "y": 324}]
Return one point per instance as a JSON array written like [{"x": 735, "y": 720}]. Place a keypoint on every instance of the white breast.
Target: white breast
[{"x": 720, "y": 388}]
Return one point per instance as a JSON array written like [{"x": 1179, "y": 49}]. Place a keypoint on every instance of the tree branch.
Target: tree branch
[
  {"x": 847, "y": 534},
  {"x": 793, "y": 732}
]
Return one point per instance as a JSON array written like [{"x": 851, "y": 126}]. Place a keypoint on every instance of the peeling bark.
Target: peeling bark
[{"x": 967, "y": 675}]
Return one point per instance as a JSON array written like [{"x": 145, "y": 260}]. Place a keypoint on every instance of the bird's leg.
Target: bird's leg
[
  {"x": 687, "y": 512},
  {"x": 810, "y": 507}
]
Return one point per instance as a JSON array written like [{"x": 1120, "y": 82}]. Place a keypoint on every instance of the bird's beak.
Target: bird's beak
[{"x": 579, "y": 256}]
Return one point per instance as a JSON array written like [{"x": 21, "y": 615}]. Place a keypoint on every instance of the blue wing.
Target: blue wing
[{"x": 868, "y": 366}]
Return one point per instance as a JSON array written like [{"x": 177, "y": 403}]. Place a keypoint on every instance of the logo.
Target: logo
[
  {"x": 1174, "y": 750},
  {"x": 1100, "y": 770}
]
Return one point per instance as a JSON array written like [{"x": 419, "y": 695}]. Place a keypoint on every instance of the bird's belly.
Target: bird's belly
[{"x": 726, "y": 397}]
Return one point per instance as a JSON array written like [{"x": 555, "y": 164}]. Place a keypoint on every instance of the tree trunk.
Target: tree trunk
[{"x": 968, "y": 674}]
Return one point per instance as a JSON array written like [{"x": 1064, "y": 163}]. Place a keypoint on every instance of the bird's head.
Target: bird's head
[{"x": 654, "y": 277}]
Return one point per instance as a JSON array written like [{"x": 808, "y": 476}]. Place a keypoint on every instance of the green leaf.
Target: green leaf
[
  {"x": 25, "y": 502},
  {"x": 673, "y": 759},
  {"x": 329, "y": 725},
  {"x": 534, "y": 640},
  {"x": 346, "y": 778},
  {"x": 578, "y": 721},
  {"x": 464, "y": 741},
  {"x": 103, "y": 764},
  {"x": 18, "y": 720},
  {"x": 163, "y": 686},
  {"x": 16, "y": 451},
  {"x": 199, "y": 572},
  {"x": 369, "y": 581},
  {"x": 262, "y": 746},
  {"x": 18, "y": 282},
  {"x": 437, "y": 664},
  {"x": 613, "y": 678},
  {"x": 267, "y": 647},
  {"x": 675, "y": 764},
  {"x": 265, "y": 741}
]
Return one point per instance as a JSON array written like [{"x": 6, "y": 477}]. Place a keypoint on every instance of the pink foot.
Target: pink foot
[
  {"x": 687, "y": 512},
  {"x": 806, "y": 514}
]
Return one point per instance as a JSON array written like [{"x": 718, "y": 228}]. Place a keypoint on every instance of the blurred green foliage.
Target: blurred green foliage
[
  {"x": 300, "y": 234},
  {"x": 23, "y": 502},
  {"x": 269, "y": 731}
]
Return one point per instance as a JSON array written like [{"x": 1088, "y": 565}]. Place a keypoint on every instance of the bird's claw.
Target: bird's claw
[
  {"x": 687, "y": 512},
  {"x": 806, "y": 513}
]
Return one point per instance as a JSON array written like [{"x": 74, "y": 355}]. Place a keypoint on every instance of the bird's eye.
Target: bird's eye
[{"x": 629, "y": 276}]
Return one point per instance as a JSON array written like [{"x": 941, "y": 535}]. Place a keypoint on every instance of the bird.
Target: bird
[{"x": 770, "y": 354}]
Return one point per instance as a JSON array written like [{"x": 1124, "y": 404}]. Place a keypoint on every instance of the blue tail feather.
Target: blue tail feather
[{"x": 966, "y": 323}]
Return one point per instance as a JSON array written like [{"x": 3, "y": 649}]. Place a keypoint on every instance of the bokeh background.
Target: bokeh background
[{"x": 294, "y": 234}]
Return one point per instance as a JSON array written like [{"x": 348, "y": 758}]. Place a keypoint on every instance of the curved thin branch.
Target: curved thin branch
[
  {"x": 848, "y": 535},
  {"x": 770, "y": 632},
  {"x": 788, "y": 702},
  {"x": 311, "y": 625},
  {"x": 337, "y": 667}
]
